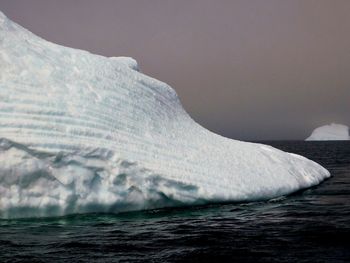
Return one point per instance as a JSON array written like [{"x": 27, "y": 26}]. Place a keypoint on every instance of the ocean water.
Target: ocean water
[{"x": 309, "y": 226}]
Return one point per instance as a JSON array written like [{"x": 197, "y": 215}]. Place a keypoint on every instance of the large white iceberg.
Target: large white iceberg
[
  {"x": 332, "y": 132},
  {"x": 86, "y": 133}
]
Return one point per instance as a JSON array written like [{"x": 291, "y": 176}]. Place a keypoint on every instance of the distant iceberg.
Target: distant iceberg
[
  {"x": 332, "y": 132},
  {"x": 86, "y": 133}
]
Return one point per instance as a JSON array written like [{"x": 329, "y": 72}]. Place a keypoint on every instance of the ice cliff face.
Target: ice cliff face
[
  {"x": 85, "y": 133},
  {"x": 332, "y": 132}
]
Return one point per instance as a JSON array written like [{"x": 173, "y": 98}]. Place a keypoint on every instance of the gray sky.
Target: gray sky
[{"x": 246, "y": 69}]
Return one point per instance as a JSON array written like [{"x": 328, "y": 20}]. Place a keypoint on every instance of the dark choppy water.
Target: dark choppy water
[{"x": 309, "y": 226}]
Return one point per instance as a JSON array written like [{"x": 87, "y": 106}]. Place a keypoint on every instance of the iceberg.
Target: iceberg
[
  {"x": 332, "y": 132},
  {"x": 85, "y": 133}
]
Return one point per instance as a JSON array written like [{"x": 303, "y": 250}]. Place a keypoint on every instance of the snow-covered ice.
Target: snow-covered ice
[
  {"x": 86, "y": 133},
  {"x": 332, "y": 132}
]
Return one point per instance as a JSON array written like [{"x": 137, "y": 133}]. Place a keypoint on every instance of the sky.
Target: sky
[{"x": 246, "y": 69}]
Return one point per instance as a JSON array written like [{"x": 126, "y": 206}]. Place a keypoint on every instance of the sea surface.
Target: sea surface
[{"x": 309, "y": 226}]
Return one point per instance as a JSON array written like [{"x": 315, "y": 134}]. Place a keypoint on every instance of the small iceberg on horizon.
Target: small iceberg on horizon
[
  {"x": 332, "y": 132},
  {"x": 85, "y": 133}
]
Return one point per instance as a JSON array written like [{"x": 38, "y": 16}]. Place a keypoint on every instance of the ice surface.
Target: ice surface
[
  {"x": 85, "y": 133},
  {"x": 330, "y": 132}
]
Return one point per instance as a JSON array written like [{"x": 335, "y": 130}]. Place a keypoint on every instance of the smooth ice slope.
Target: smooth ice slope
[
  {"x": 330, "y": 132},
  {"x": 86, "y": 133}
]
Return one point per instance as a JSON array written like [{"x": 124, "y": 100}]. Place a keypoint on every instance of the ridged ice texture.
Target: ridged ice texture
[
  {"x": 126, "y": 141},
  {"x": 332, "y": 132}
]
